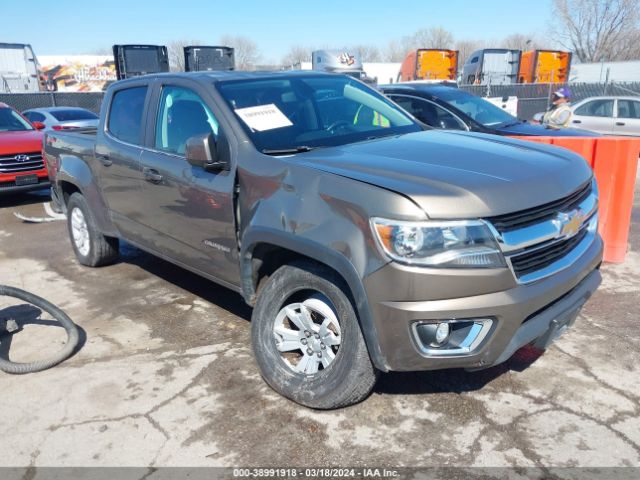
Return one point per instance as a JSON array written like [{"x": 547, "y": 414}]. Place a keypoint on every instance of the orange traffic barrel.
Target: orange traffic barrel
[{"x": 614, "y": 161}]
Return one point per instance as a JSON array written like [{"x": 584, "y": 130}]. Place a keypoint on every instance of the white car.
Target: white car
[
  {"x": 608, "y": 115},
  {"x": 62, "y": 118}
]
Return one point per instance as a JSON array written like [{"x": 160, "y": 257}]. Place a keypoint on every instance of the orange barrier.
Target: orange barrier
[{"x": 614, "y": 161}]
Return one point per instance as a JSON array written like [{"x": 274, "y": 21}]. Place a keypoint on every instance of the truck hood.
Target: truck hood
[
  {"x": 25, "y": 141},
  {"x": 458, "y": 175}
]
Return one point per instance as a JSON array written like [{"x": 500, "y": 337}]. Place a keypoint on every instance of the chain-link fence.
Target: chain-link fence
[
  {"x": 532, "y": 97},
  {"x": 24, "y": 101},
  {"x": 535, "y": 97}
]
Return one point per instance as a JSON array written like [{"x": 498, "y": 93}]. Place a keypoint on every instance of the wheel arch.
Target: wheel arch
[{"x": 265, "y": 250}]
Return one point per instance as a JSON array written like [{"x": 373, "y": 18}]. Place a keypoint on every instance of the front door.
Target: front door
[
  {"x": 189, "y": 211},
  {"x": 595, "y": 115}
]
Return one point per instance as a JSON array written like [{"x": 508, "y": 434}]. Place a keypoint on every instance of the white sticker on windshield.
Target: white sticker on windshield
[{"x": 263, "y": 117}]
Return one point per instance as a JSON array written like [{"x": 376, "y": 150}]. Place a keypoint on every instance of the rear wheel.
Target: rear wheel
[
  {"x": 91, "y": 247},
  {"x": 307, "y": 339}
]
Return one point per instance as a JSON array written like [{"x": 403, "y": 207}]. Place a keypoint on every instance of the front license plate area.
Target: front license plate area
[{"x": 26, "y": 180}]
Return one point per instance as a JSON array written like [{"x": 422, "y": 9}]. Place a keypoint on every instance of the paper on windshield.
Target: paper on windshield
[{"x": 263, "y": 117}]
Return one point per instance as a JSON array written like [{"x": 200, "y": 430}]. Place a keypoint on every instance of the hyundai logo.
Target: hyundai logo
[
  {"x": 21, "y": 158},
  {"x": 570, "y": 222}
]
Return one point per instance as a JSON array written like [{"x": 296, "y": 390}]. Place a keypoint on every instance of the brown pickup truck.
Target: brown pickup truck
[{"x": 364, "y": 242}]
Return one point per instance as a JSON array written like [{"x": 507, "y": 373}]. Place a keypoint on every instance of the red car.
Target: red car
[{"x": 22, "y": 166}]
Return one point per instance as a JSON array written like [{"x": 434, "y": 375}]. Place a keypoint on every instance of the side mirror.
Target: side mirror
[
  {"x": 202, "y": 151},
  {"x": 38, "y": 125}
]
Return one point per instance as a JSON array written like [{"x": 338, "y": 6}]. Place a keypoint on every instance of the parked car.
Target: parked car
[
  {"x": 363, "y": 242},
  {"x": 62, "y": 118},
  {"x": 450, "y": 108},
  {"x": 608, "y": 115},
  {"x": 22, "y": 166}
]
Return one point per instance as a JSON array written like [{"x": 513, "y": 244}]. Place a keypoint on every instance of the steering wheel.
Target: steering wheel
[{"x": 337, "y": 124}]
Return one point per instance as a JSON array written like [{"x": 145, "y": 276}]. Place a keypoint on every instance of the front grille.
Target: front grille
[
  {"x": 17, "y": 164},
  {"x": 531, "y": 261},
  {"x": 531, "y": 216}
]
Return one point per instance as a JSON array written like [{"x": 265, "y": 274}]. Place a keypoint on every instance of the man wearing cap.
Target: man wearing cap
[{"x": 559, "y": 115}]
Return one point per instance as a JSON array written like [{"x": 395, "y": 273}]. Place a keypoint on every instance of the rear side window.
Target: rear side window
[
  {"x": 69, "y": 115},
  {"x": 34, "y": 116},
  {"x": 628, "y": 109},
  {"x": 125, "y": 114}
]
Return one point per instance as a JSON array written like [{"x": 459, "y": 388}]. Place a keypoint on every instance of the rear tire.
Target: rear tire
[
  {"x": 91, "y": 247},
  {"x": 307, "y": 339}
]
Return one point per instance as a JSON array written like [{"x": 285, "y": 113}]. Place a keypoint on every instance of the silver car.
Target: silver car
[
  {"x": 62, "y": 118},
  {"x": 608, "y": 115}
]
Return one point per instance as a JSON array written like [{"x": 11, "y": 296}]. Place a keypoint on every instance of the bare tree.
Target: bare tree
[
  {"x": 394, "y": 52},
  {"x": 175, "y": 51},
  {"x": 296, "y": 55},
  {"x": 367, "y": 53},
  {"x": 435, "y": 37},
  {"x": 246, "y": 51},
  {"x": 598, "y": 30},
  {"x": 519, "y": 41}
]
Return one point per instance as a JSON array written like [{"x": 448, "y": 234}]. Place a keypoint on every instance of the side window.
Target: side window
[
  {"x": 474, "y": 60},
  {"x": 628, "y": 109},
  {"x": 596, "y": 108},
  {"x": 34, "y": 116},
  {"x": 125, "y": 114},
  {"x": 182, "y": 114}
]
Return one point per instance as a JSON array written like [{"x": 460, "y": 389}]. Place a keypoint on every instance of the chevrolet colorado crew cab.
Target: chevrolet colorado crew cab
[
  {"x": 364, "y": 242},
  {"x": 22, "y": 166}
]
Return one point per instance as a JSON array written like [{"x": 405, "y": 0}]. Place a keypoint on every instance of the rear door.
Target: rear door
[
  {"x": 627, "y": 121},
  {"x": 595, "y": 115},
  {"x": 188, "y": 212},
  {"x": 117, "y": 156}
]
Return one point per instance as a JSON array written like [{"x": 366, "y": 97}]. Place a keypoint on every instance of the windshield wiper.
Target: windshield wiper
[{"x": 285, "y": 151}]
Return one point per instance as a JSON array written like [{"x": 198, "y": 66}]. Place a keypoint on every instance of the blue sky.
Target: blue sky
[{"x": 76, "y": 27}]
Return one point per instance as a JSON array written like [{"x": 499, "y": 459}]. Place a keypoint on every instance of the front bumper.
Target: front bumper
[
  {"x": 522, "y": 314},
  {"x": 11, "y": 187}
]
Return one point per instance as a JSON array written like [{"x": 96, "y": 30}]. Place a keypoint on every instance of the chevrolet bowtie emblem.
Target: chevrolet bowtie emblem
[{"x": 570, "y": 222}]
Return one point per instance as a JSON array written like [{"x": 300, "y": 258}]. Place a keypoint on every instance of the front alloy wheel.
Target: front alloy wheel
[{"x": 308, "y": 335}]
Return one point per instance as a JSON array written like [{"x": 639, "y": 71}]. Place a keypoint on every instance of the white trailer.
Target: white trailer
[{"x": 18, "y": 68}]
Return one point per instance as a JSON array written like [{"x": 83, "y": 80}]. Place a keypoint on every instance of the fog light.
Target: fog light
[{"x": 442, "y": 333}]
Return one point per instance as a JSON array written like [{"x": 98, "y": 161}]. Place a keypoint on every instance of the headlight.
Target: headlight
[{"x": 452, "y": 244}]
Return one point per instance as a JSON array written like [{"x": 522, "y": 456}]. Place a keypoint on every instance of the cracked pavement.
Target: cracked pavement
[{"x": 165, "y": 377}]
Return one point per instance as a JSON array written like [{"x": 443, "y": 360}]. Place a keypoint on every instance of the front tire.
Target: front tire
[
  {"x": 307, "y": 339},
  {"x": 91, "y": 247}
]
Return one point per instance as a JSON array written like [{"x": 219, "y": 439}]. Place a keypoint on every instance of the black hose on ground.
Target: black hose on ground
[{"x": 73, "y": 336}]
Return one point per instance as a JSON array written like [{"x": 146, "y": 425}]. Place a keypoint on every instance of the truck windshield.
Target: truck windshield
[
  {"x": 301, "y": 113},
  {"x": 482, "y": 111},
  {"x": 11, "y": 121}
]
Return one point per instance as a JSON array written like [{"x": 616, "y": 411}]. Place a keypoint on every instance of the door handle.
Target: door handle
[
  {"x": 151, "y": 175},
  {"x": 104, "y": 159},
  {"x": 620, "y": 124},
  {"x": 577, "y": 121}
]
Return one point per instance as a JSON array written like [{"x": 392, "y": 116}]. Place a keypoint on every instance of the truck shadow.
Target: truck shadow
[
  {"x": 21, "y": 199},
  {"x": 453, "y": 380},
  {"x": 186, "y": 280}
]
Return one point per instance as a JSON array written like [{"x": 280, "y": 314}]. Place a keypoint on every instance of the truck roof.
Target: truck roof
[{"x": 218, "y": 76}]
